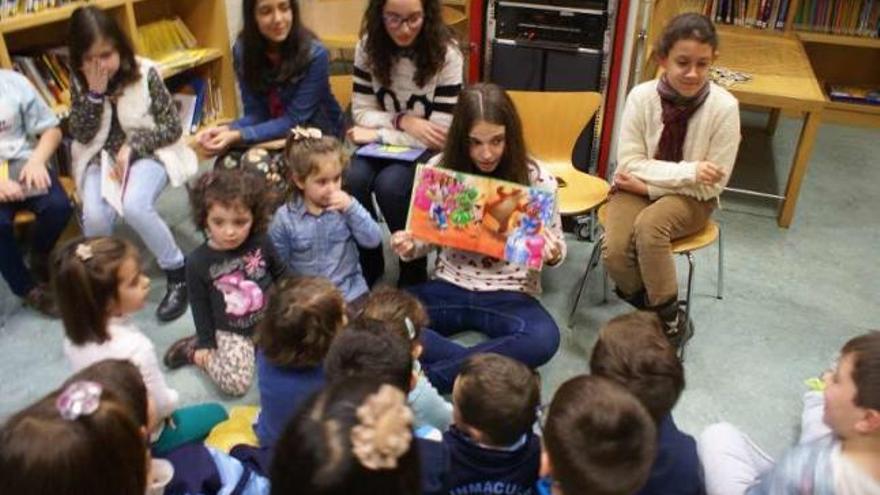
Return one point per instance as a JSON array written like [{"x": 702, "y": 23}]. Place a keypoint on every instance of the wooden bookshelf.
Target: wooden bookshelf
[
  {"x": 839, "y": 39},
  {"x": 206, "y": 19}
]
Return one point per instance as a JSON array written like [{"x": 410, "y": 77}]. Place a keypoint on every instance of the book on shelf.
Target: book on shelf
[
  {"x": 12, "y": 8},
  {"x": 49, "y": 73},
  {"x": 758, "y": 14},
  {"x": 840, "y": 17},
  {"x": 869, "y": 95},
  {"x": 171, "y": 44},
  {"x": 197, "y": 99}
]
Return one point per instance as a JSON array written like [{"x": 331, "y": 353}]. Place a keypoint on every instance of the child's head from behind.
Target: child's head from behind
[
  {"x": 495, "y": 399},
  {"x": 370, "y": 348},
  {"x": 486, "y": 135},
  {"x": 316, "y": 164},
  {"x": 598, "y": 438},
  {"x": 96, "y": 41},
  {"x": 686, "y": 50},
  {"x": 633, "y": 352},
  {"x": 79, "y": 439},
  {"x": 229, "y": 206},
  {"x": 123, "y": 379},
  {"x": 94, "y": 279},
  {"x": 399, "y": 309},
  {"x": 852, "y": 391},
  {"x": 303, "y": 317},
  {"x": 354, "y": 437}
]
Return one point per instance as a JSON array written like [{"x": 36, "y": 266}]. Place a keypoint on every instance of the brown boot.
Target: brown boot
[
  {"x": 677, "y": 326},
  {"x": 41, "y": 299}
]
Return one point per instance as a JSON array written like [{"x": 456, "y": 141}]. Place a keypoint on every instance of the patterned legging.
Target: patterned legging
[{"x": 231, "y": 365}]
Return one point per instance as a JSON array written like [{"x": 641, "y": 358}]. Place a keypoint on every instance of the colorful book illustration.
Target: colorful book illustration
[
  {"x": 112, "y": 187},
  {"x": 390, "y": 151},
  {"x": 501, "y": 219}
]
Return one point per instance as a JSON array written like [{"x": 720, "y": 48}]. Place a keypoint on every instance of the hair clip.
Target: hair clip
[
  {"x": 84, "y": 251},
  {"x": 81, "y": 398},
  {"x": 384, "y": 432},
  {"x": 302, "y": 133},
  {"x": 410, "y": 328}
]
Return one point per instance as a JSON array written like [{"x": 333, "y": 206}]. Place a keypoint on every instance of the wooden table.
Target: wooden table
[{"x": 782, "y": 79}]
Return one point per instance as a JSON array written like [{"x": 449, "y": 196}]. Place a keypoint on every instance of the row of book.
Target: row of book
[
  {"x": 198, "y": 100},
  {"x": 760, "y": 14},
  {"x": 49, "y": 73},
  {"x": 171, "y": 44},
  {"x": 11, "y": 8},
  {"x": 847, "y": 17}
]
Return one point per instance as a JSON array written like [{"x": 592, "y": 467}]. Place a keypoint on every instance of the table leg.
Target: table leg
[
  {"x": 773, "y": 120},
  {"x": 799, "y": 167}
]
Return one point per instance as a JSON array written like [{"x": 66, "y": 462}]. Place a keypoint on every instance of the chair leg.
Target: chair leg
[
  {"x": 690, "y": 286},
  {"x": 720, "y": 288},
  {"x": 590, "y": 264}
]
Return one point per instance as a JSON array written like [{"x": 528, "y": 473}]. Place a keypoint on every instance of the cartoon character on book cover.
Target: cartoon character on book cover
[{"x": 475, "y": 213}]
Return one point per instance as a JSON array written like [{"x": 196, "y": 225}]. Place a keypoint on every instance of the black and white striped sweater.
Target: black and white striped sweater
[{"x": 375, "y": 106}]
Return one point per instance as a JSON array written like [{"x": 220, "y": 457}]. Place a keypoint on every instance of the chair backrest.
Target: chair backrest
[
  {"x": 341, "y": 87},
  {"x": 336, "y": 22},
  {"x": 553, "y": 120}
]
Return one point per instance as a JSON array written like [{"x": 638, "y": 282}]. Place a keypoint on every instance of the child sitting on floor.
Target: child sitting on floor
[{"x": 491, "y": 443}]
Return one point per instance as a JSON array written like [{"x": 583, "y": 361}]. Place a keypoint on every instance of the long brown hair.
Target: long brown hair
[
  {"x": 88, "y": 25},
  {"x": 102, "y": 453},
  {"x": 429, "y": 46},
  {"x": 490, "y": 103},
  {"x": 86, "y": 281}
]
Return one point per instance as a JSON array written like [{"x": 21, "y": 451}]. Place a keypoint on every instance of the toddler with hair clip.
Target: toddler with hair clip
[
  {"x": 407, "y": 316},
  {"x": 317, "y": 233}
]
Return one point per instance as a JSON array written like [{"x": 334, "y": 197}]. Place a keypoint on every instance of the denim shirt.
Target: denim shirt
[
  {"x": 307, "y": 101},
  {"x": 325, "y": 245}
]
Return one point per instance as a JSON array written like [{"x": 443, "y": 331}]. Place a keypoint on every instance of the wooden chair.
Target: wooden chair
[
  {"x": 684, "y": 246},
  {"x": 552, "y": 123}
]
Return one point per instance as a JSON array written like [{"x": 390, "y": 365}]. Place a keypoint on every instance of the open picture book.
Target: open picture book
[{"x": 501, "y": 219}]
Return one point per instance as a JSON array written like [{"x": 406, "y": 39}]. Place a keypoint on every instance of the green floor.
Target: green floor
[{"x": 791, "y": 297}]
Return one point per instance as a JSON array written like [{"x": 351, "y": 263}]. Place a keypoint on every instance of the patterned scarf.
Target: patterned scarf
[{"x": 677, "y": 111}]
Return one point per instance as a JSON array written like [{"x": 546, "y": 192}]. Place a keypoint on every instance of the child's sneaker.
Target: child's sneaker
[{"x": 180, "y": 353}]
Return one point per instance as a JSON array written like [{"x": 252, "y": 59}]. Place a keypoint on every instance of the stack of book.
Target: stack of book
[
  {"x": 49, "y": 73},
  {"x": 846, "y": 17},
  {"x": 172, "y": 45},
  {"x": 12, "y": 8},
  {"x": 869, "y": 95},
  {"x": 759, "y": 14}
]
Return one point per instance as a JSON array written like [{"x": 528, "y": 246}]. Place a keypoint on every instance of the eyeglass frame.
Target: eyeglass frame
[{"x": 395, "y": 21}]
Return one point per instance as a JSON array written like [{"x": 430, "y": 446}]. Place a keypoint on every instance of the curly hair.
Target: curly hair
[
  {"x": 230, "y": 188},
  {"x": 430, "y": 45},
  {"x": 303, "y": 317}
]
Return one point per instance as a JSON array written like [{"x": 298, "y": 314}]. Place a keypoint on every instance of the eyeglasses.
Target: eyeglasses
[{"x": 394, "y": 21}]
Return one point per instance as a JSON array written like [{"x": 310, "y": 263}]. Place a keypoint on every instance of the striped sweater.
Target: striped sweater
[{"x": 375, "y": 106}]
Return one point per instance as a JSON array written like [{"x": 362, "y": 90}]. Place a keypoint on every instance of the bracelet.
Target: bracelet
[
  {"x": 398, "y": 118},
  {"x": 95, "y": 95}
]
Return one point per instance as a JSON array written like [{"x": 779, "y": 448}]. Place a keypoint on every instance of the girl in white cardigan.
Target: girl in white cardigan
[
  {"x": 99, "y": 283},
  {"x": 123, "y": 118},
  {"x": 678, "y": 143}
]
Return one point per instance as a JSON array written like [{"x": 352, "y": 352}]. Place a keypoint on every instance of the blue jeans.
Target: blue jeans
[
  {"x": 392, "y": 182},
  {"x": 146, "y": 179},
  {"x": 516, "y": 324},
  {"x": 53, "y": 211}
]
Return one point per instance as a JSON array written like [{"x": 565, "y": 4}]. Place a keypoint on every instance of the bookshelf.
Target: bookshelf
[
  {"x": 28, "y": 33},
  {"x": 836, "y": 58}
]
